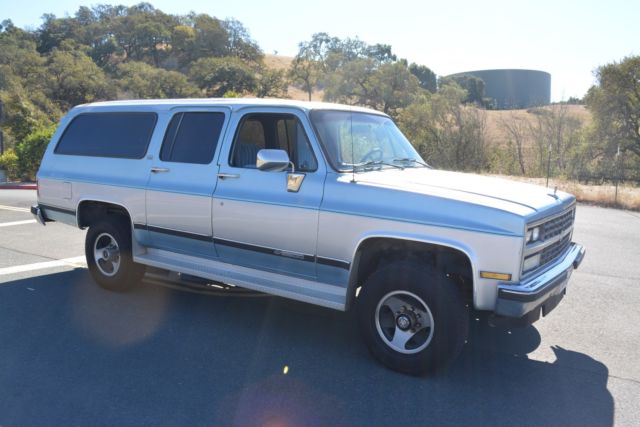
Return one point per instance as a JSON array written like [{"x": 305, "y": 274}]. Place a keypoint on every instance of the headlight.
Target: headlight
[
  {"x": 531, "y": 262},
  {"x": 533, "y": 235}
]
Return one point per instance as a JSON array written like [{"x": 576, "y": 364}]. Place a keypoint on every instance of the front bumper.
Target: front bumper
[{"x": 540, "y": 293}]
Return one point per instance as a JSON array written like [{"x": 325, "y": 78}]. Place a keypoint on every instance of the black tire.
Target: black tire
[
  {"x": 434, "y": 348},
  {"x": 127, "y": 274}
]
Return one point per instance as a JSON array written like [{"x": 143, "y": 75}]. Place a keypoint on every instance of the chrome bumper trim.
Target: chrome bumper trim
[{"x": 518, "y": 299}]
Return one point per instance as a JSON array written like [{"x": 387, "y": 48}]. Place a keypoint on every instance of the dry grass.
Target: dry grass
[
  {"x": 602, "y": 195},
  {"x": 277, "y": 62},
  {"x": 497, "y": 134},
  {"x": 300, "y": 95}
]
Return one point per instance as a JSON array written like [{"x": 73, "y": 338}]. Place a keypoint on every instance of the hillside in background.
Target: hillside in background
[
  {"x": 496, "y": 132},
  {"x": 139, "y": 52},
  {"x": 283, "y": 63}
]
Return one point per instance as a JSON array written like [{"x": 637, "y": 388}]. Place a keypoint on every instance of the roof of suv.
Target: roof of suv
[{"x": 233, "y": 103}]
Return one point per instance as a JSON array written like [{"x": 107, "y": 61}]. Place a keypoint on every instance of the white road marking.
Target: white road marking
[
  {"x": 14, "y": 208},
  {"x": 78, "y": 261},
  {"x": 9, "y": 224}
]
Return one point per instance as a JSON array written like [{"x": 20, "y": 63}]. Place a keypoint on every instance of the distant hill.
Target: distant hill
[
  {"x": 279, "y": 62},
  {"x": 495, "y": 131}
]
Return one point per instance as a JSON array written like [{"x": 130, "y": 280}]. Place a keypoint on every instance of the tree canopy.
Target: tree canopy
[
  {"x": 121, "y": 52},
  {"x": 615, "y": 103},
  {"x": 108, "y": 52}
]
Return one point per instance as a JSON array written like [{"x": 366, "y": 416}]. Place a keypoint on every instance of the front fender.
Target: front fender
[{"x": 432, "y": 240}]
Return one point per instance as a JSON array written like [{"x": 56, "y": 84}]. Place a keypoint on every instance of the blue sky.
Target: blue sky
[{"x": 566, "y": 38}]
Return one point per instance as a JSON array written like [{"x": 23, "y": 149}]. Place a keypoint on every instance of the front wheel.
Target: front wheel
[
  {"x": 109, "y": 256},
  {"x": 412, "y": 317}
]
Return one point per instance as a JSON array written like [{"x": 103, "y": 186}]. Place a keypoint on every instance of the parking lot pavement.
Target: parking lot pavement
[{"x": 74, "y": 354}]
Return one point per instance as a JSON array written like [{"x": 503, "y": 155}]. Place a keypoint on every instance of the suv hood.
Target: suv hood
[{"x": 516, "y": 197}]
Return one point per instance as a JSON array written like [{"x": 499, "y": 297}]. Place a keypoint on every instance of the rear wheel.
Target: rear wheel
[
  {"x": 412, "y": 317},
  {"x": 109, "y": 256}
]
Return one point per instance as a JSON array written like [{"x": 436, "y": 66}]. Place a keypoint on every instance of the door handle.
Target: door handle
[
  {"x": 228, "y": 175},
  {"x": 156, "y": 169}
]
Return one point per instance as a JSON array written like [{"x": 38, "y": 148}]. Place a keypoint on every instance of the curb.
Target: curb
[{"x": 18, "y": 186}]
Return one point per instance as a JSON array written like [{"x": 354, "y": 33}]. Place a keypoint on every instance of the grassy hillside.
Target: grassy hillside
[
  {"x": 279, "y": 62},
  {"x": 495, "y": 132}
]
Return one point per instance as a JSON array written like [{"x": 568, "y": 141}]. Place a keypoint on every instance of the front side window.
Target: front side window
[
  {"x": 273, "y": 131},
  {"x": 192, "y": 137},
  {"x": 353, "y": 139},
  {"x": 120, "y": 135}
]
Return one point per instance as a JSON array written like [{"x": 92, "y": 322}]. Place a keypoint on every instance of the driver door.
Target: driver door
[{"x": 257, "y": 221}]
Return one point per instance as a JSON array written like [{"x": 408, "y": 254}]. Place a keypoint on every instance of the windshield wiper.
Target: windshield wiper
[
  {"x": 378, "y": 163},
  {"x": 372, "y": 164},
  {"x": 411, "y": 160}
]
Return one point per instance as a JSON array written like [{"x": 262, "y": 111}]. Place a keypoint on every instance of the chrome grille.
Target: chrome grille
[
  {"x": 557, "y": 225},
  {"x": 555, "y": 239},
  {"x": 555, "y": 250}
]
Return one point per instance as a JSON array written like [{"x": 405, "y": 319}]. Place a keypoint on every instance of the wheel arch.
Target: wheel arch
[
  {"x": 372, "y": 248},
  {"x": 89, "y": 210}
]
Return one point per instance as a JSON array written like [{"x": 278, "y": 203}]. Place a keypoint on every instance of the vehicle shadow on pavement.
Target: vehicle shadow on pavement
[{"x": 73, "y": 353}]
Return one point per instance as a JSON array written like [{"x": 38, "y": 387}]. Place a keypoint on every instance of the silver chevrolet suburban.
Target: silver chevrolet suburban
[{"x": 322, "y": 203}]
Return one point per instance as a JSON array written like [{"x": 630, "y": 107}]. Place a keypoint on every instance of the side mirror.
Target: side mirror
[{"x": 272, "y": 160}]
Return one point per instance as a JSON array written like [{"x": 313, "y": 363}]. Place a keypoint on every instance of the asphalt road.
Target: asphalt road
[{"x": 74, "y": 354}]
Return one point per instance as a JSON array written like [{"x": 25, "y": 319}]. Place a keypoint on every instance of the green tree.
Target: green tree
[
  {"x": 144, "y": 33},
  {"x": 73, "y": 78},
  {"x": 474, "y": 87},
  {"x": 239, "y": 42},
  {"x": 352, "y": 83},
  {"x": 31, "y": 150},
  {"x": 22, "y": 82},
  {"x": 615, "y": 104},
  {"x": 21, "y": 116},
  {"x": 387, "y": 87},
  {"x": 310, "y": 63},
  {"x": 141, "y": 80},
  {"x": 318, "y": 49},
  {"x": 210, "y": 38},
  {"x": 217, "y": 76},
  {"x": 271, "y": 83},
  {"x": 54, "y": 31},
  {"x": 425, "y": 76},
  {"x": 305, "y": 74},
  {"x": 182, "y": 43},
  {"x": 320, "y": 58},
  {"x": 446, "y": 133},
  {"x": 393, "y": 87},
  {"x": 18, "y": 53}
]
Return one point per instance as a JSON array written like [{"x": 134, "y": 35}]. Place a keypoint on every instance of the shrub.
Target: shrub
[
  {"x": 9, "y": 162},
  {"x": 30, "y": 152}
]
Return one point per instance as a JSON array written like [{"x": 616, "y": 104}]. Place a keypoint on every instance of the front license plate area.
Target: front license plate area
[{"x": 552, "y": 303}]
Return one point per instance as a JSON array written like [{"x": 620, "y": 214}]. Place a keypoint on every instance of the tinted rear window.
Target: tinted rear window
[
  {"x": 124, "y": 135},
  {"x": 192, "y": 137}
]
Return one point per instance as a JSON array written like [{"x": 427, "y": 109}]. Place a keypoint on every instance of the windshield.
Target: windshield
[{"x": 355, "y": 140}]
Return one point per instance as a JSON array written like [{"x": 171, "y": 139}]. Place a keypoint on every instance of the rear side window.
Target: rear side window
[
  {"x": 192, "y": 137},
  {"x": 123, "y": 135}
]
